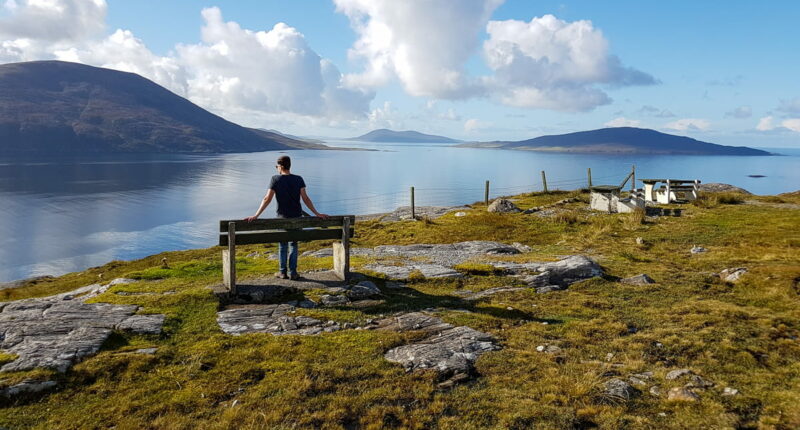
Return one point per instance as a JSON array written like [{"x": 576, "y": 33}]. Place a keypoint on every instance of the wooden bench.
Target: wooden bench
[
  {"x": 672, "y": 190},
  {"x": 272, "y": 230}
]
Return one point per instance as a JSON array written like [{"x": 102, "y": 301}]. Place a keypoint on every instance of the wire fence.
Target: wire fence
[{"x": 451, "y": 196}]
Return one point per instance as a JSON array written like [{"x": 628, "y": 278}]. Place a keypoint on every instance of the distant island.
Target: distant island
[
  {"x": 620, "y": 140},
  {"x": 56, "y": 107},
  {"x": 408, "y": 136}
]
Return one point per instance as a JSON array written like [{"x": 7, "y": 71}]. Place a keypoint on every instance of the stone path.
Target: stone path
[{"x": 57, "y": 331}]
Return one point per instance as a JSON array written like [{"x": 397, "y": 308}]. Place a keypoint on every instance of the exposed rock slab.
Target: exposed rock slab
[
  {"x": 28, "y": 386},
  {"x": 272, "y": 319},
  {"x": 404, "y": 272},
  {"x": 448, "y": 254},
  {"x": 716, "y": 187},
  {"x": 503, "y": 206},
  {"x": 58, "y": 331},
  {"x": 492, "y": 291},
  {"x": 641, "y": 279},
  {"x": 732, "y": 274},
  {"x": 620, "y": 390},
  {"x": 451, "y": 351},
  {"x": 404, "y": 213}
]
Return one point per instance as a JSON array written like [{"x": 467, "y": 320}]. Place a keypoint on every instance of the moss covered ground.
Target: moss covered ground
[{"x": 744, "y": 335}]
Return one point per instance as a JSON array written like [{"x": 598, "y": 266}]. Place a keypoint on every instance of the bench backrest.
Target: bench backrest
[{"x": 272, "y": 230}]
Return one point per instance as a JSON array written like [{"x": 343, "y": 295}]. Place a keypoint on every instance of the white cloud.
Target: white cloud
[
  {"x": 740, "y": 112},
  {"x": 553, "y": 64},
  {"x": 765, "y": 124},
  {"x": 474, "y": 125},
  {"x": 425, "y": 44},
  {"x": 241, "y": 74},
  {"x": 792, "y": 124},
  {"x": 689, "y": 124},
  {"x": 623, "y": 122}
]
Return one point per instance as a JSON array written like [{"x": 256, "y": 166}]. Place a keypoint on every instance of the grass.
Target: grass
[{"x": 742, "y": 335}]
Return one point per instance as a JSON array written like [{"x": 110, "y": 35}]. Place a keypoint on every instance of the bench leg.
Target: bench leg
[
  {"x": 341, "y": 261},
  {"x": 229, "y": 271}
]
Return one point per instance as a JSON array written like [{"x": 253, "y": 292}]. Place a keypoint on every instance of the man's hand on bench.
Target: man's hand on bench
[
  {"x": 323, "y": 216},
  {"x": 251, "y": 218}
]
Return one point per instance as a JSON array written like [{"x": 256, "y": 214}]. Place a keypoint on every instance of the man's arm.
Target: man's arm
[
  {"x": 309, "y": 204},
  {"x": 264, "y": 204}
]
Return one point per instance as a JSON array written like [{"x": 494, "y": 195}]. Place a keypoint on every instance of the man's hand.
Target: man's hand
[
  {"x": 251, "y": 218},
  {"x": 323, "y": 216}
]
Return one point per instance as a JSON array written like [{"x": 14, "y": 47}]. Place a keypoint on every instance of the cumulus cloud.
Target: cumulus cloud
[
  {"x": 239, "y": 73},
  {"x": 689, "y": 124},
  {"x": 765, "y": 124},
  {"x": 740, "y": 112},
  {"x": 474, "y": 125},
  {"x": 545, "y": 63},
  {"x": 425, "y": 44},
  {"x": 655, "y": 112},
  {"x": 553, "y": 64},
  {"x": 623, "y": 122},
  {"x": 768, "y": 124}
]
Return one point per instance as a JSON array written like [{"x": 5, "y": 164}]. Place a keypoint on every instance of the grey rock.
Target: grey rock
[
  {"x": 655, "y": 391},
  {"x": 732, "y": 274},
  {"x": 549, "y": 349},
  {"x": 404, "y": 213},
  {"x": 521, "y": 248},
  {"x": 28, "y": 386},
  {"x": 395, "y": 285},
  {"x": 121, "y": 281},
  {"x": 682, "y": 394},
  {"x": 451, "y": 351},
  {"x": 363, "y": 290},
  {"x": 696, "y": 249},
  {"x": 715, "y": 187},
  {"x": 460, "y": 214},
  {"x": 272, "y": 319},
  {"x": 549, "y": 289},
  {"x": 329, "y": 300},
  {"x": 412, "y": 322},
  {"x": 677, "y": 373},
  {"x": 146, "y": 351},
  {"x": 642, "y": 279},
  {"x": 566, "y": 272},
  {"x": 699, "y": 382},
  {"x": 503, "y": 206},
  {"x": 639, "y": 241},
  {"x": 728, "y": 391},
  {"x": 306, "y": 304},
  {"x": 620, "y": 390},
  {"x": 57, "y": 331},
  {"x": 404, "y": 272},
  {"x": 142, "y": 324}
]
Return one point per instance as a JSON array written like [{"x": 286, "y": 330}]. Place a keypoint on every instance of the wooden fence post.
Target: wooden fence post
[
  {"x": 633, "y": 178},
  {"x": 544, "y": 182},
  {"x": 229, "y": 260},
  {"x": 486, "y": 194},
  {"x": 413, "y": 208},
  {"x": 589, "y": 172}
]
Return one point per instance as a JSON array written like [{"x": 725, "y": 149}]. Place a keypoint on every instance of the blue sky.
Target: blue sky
[{"x": 724, "y": 72}]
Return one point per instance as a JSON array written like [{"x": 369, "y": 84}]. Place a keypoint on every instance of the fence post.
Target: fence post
[
  {"x": 544, "y": 182},
  {"x": 589, "y": 172},
  {"x": 486, "y": 194},
  {"x": 633, "y": 178},
  {"x": 413, "y": 209}
]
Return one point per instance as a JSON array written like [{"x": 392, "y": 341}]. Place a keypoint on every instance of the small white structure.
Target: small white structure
[
  {"x": 607, "y": 198},
  {"x": 673, "y": 190}
]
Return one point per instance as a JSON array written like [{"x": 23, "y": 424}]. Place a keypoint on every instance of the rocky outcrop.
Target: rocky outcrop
[
  {"x": 617, "y": 389},
  {"x": 272, "y": 319},
  {"x": 451, "y": 351},
  {"x": 715, "y": 187},
  {"x": 563, "y": 273},
  {"x": 733, "y": 274},
  {"x": 57, "y": 331},
  {"x": 641, "y": 279},
  {"x": 503, "y": 206}
]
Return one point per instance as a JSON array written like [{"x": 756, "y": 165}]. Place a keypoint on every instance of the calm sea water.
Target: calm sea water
[{"x": 61, "y": 215}]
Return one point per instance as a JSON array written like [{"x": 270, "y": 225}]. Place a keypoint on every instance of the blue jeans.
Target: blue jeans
[{"x": 289, "y": 248}]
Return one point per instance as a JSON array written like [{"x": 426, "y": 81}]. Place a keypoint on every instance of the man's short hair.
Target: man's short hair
[{"x": 285, "y": 162}]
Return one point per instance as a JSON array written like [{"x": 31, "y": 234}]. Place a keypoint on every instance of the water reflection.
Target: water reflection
[{"x": 59, "y": 215}]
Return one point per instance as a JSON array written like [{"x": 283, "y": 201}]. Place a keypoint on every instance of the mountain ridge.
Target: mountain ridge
[
  {"x": 620, "y": 140},
  {"x": 406, "y": 136},
  {"x": 57, "y": 107}
]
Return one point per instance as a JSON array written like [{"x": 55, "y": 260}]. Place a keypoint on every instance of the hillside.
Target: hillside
[
  {"x": 686, "y": 350},
  {"x": 620, "y": 140},
  {"x": 409, "y": 136},
  {"x": 54, "y": 107}
]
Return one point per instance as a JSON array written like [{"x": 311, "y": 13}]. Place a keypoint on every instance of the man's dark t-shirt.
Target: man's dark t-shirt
[{"x": 287, "y": 193}]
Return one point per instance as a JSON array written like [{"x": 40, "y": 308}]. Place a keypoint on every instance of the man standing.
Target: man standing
[{"x": 288, "y": 189}]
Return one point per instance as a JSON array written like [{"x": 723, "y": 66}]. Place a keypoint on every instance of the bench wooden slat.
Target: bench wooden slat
[
  {"x": 284, "y": 236},
  {"x": 284, "y": 223}
]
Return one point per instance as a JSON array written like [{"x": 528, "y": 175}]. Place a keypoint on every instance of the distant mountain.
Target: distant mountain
[
  {"x": 291, "y": 136},
  {"x": 620, "y": 140},
  {"x": 409, "y": 136},
  {"x": 54, "y": 107}
]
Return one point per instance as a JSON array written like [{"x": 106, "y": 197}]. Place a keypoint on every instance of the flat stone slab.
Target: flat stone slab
[
  {"x": 403, "y": 272},
  {"x": 448, "y": 254},
  {"x": 451, "y": 351},
  {"x": 58, "y": 331},
  {"x": 404, "y": 213},
  {"x": 272, "y": 319}
]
